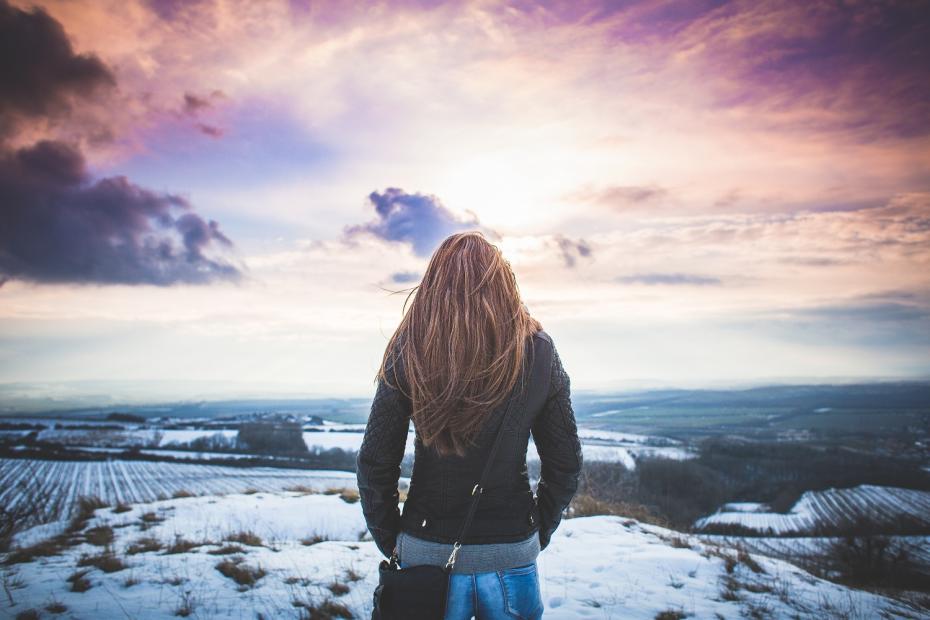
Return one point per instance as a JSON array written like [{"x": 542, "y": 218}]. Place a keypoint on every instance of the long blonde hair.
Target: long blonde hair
[{"x": 462, "y": 342}]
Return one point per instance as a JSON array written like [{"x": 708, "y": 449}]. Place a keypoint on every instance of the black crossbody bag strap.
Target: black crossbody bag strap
[{"x": 478, "y": 488}]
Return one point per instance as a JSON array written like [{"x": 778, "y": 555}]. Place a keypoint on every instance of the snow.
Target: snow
[
  {"x": 829, "y": 508},
  {"x": 60, "y": 483},
  {"x": 595, "y": 567},
  {"x": 597, "y": 444},
  {"x": 744, "y": 507}
]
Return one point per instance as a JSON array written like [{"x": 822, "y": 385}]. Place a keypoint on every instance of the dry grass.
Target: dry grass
[
  {"x": 144, "y": 545},
  {"x": 28, "y": 614},
  {"x": 585, "y": 505},
  {"x": 149, "y": 519},
  {"x": 56, "y": 607},
  {"x": 100, "y": 536},
  {"x": 301, "y": 488},
  {"x": 352, "y": 576},
  {"x": 85, "y": 511},
  {"x": 121, "y": 508},
  {"x": 312, "y": 540},
  {"x": 79, "y": 581},
  {"x": 246, "y": 538},
  {"x": 743, "y": 557},
  {"x": 182, "y": 545},
  {"x": 243, "y": 574},
  {"x": 227, "y": 550},
  {"x": 69, "y": 538},
  {"x": 349, "y": 496},
  {"x": 327, "y": 610},
  {"x": 107, "y": 562},
  {"x": 338, "y": 588},
  {"x": 182, "y": 493},
  {"x": 43, "y": 549}
]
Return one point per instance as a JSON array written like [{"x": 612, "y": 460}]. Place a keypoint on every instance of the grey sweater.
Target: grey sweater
[{"x": 483, "y": 558}]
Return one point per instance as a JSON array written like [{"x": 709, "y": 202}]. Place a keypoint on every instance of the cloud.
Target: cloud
[
  {"x": 40, "y": 75},
  {"x": 405, "y": 277},
  {"x": 57, "y": 225},
  {"x": 210, "y": 130},
  {"x": 620, "y": 197},
  {"x": 195, "y": 104},
  {"x": 572, "y": 249},
  {"x": 418, "y": 219},
  {"x": 858, "y": 68},
  {"x": 668, "y": 278}
]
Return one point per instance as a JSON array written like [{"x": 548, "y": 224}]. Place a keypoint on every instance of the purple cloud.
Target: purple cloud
[
  {"x": 405, "y": 277},
  {"x": 57, "y": 225},
  {"x": 418, "y": 219}
]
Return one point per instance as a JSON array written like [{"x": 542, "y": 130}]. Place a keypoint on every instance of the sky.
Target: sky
[{"x": 215, "y": 198}]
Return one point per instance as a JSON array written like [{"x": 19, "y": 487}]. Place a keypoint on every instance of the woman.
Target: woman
[{"x": 466, "y": 349}]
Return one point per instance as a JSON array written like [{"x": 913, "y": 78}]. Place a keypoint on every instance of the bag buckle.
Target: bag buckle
[{"x": 455, "y": 551}]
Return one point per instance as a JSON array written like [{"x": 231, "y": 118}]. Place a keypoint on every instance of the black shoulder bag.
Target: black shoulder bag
[{"x": 419, "y": 592}]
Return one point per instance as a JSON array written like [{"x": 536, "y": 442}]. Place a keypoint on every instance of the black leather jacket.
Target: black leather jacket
[{"x": 440, "y": 487}]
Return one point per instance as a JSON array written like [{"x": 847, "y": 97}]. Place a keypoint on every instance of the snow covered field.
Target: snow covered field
[
  {"x": 61, "y": 483},
  {"x": 833, "y": 508},
  {"x": 598, "y": 445},
  {"x": 301, "y": 551}
]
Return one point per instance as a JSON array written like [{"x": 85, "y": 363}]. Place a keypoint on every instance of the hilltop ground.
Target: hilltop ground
[{"x": 307, "y": 555}]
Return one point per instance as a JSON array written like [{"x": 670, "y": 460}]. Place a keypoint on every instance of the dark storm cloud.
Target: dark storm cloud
[
  {"x": 418, "y": 219},
  {"x": 40, "y": 75},
  {"x": 668, "y": 278},
  {"x": 572, "y": 249},
  {"x": 56, "y": 225}
]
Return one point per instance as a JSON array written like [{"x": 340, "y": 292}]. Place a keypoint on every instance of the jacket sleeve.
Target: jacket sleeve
[
  {"x": 556, "y": 438},
  {"x": 378, "y": 464}
]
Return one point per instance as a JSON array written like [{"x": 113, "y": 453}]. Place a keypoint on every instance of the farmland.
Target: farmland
[
  {"x": 832, "y": 510},
  {"x": 60, "y": 484}
]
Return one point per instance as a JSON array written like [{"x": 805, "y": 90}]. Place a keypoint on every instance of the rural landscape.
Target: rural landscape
[
  {"x": 216, "y": 216},
  {"x": 779, "y": 501}
]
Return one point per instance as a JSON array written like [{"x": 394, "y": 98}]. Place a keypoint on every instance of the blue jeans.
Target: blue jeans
[{"x": 508, "y": 594}]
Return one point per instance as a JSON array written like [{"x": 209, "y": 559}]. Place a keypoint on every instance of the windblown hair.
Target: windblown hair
[{"x": 462, "y": 343}]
